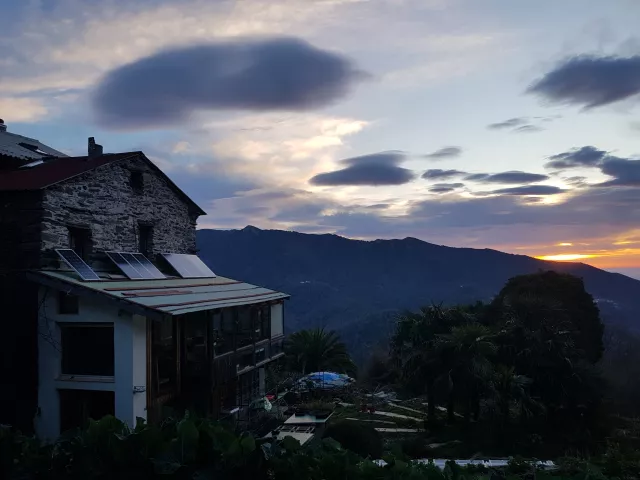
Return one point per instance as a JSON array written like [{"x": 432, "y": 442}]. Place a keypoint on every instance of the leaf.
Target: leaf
[
  {"x": 331, "y": 444},
  {"x": 248, "y": 444},
  {"x": 291, "y": 444}
]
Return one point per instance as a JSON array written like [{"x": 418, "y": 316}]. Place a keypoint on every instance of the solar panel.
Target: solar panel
[
  {"x": 72, "y": 259},
  {"x": 135, "y": 265},
  {"x": 126, "y": 268},
  {"x": 148, "y": 265},
  {"x": 188, "y": 266}
]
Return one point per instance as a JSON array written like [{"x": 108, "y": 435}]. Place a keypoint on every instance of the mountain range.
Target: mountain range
[{"x": 358, "y": 287}]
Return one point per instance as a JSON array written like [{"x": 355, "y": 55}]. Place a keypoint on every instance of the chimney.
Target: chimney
[
  {"x": 3, "y": 127},
  {"x": 95, "y": 150}
]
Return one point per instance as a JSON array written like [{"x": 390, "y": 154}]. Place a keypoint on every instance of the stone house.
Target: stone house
[{"x": 130, "y": 346}]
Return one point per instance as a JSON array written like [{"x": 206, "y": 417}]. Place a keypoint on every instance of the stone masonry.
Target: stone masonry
[{"x": 104, "y": 201}]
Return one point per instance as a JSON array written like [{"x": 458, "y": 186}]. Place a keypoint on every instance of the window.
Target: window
[
  {"x": 87, "y": 349},
  {"x": 223, "y": 331},
  {"x": 164, "y": 356},
  {"x": 78, "y": 406},
  {"x": 244, "y": 337},
  {"x": 67, "y": 304},
  {"x": 145, "y": 246},
  {"x": 263, "y": 328},
  {"x": 80, "y": 241},
  {"x": 136, "y": 180}
]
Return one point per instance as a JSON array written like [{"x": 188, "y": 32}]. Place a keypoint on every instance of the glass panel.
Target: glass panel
[
  {"x": 245, "y": 360},
  {"x": 244, "y": 327},
  {"x": 87, "y": 349},
  {"x": 223, "y": 331},
  {"x": 261, "y": 355},
  {"x": 276, "y": 348},
  {"x": 163, "y": 356}
]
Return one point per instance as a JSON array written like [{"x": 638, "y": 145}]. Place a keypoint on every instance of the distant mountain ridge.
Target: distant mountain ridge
[{"x": 357, "y": 287}]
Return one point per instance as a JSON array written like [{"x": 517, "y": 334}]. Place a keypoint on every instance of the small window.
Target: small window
[
  {"x": 145, "y": 240},
  {"x": 80, "y": 241},
  {"x": 137, "y": 182},
  {"x": 87, "y": 349},
  {"x": 68, "y": 304}
]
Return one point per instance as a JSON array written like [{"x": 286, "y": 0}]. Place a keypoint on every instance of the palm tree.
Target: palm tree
[
  {"x": 317, "y": 350},
  {"x": 415, "y": 346},
  {"x": 510, "y": 388},
  {"x": 467, "y": 352}
]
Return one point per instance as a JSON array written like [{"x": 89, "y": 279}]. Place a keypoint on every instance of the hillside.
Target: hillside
[{"x": 356, "y": 287}]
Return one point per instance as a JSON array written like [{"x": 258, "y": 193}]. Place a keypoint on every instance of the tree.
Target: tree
[
  {"x": 467, "y": 352},
  {"x": 570, "y": 307},
  {"x": 415, "y": 347},
  {"x": 317, "y": 350}
]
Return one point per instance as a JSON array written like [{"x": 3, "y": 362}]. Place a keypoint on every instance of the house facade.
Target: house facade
[{"x": 133, "y": 347}]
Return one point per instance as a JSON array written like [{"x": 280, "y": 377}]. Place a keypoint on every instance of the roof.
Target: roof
[
  {"x": 172, "y": 296},
  {"x": 59, "y": 169},
  {"x": 26, "y": 148}
]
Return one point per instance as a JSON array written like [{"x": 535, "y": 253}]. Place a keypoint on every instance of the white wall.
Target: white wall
[
  {"x": 129, "y": 365},
  {"x": 277, "y": 319}
]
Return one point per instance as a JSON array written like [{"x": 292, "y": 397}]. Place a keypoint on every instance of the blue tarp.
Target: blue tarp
[{"x": 325, "y": 380}]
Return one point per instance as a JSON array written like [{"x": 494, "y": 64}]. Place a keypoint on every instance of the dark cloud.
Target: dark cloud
[
  {"x": 578, "y": 157},
  {"x": 376, "y": 169},
  {"x": 446, "y": 152},
  {"x": 528, "y": 129},
  {"x": 626, "y": 172},
  {"x": 445, "y": 187},
  {"x": 590, "y": 81},
  {"x": 507, "y": 177},
  {"x": 442, "y": 174},
  {"x": 508, "y": 124},
  {"x": 529, "y": 190},
  {"x": 251, "y": 74}
]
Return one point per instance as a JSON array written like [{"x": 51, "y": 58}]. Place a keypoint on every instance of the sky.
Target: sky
[{"x": 497, "y": 124}]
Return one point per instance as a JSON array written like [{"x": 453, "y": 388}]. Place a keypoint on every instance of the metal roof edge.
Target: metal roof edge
[{"x": 76, "y": 288}]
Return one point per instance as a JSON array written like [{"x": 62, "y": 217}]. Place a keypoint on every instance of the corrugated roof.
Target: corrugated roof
[
  {"x": 26, "y": 148},
  {"x": 173, "y": 296}
]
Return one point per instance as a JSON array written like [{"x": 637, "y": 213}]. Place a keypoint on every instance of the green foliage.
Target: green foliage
[
  {"x": 358, "y": 437},
  {"x": 317, "y": 350}
]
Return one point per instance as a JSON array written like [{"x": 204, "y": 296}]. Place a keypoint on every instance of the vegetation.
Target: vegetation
[
  {"x": 191, "y": 448},
  {"x": 358, "y": 437},
  {"x": 523, "y": 366},
  {"x": 317, "y": 350}
]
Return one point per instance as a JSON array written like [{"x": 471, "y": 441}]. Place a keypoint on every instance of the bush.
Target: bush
[{"x": 356, "y": 436}]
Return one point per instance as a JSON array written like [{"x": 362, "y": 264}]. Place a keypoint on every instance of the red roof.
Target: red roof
[{"x": 56, "y": 170}]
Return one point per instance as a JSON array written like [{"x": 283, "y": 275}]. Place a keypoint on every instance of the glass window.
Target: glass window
[
  {"x": 261, "y": 355},
  {"x": 145, "y": 246},
  {"x": 224, "y": 325},
  {"x": 163, "y": 356},
  {"x": 245, "y": 327},
  {"x": 80, "y": 241},
  {"x": 265, "y": 322},
  {"x": 87, "y": 349}
]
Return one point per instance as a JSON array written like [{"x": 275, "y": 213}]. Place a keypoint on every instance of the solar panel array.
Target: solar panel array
[
  {"x": 135, "y": 265},
  {"x": 188, "y": 266},
  {"x": 72, "y": 259}
]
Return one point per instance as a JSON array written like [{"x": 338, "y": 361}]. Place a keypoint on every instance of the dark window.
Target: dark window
[
  {"x": 223, "y": 331},
  {"x": 78, "y": 406},
  {"x": 87, "y": 349},
  {"x": 67, "y": 304},
  {"x": 265, "y": 322},
  {"x": 80, "y": 241},
  {"x": 146, "y": 239},
  {"x": 244, "y": 332},
  {"x": 164, "y": 356},
  {"x": 137, "y": 182}
]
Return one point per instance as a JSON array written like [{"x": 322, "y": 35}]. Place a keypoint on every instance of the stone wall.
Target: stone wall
[{"x": 104, "y": 200}]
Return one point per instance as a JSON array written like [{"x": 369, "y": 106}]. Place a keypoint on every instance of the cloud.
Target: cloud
[
  {"x": 283, "y": 74},
  {"x": 446, "y": 152},
  {"x": 441, "y": 174},
  {"x": 508, "y": 124},
  {"x": 375, "y": 169},
  {"x": 590, "y": 81},
  {"x": 21, "y": 109},
  {"x": 528, "y": 129},
  {"x": 445, "y": 187},
  {"x": 529, "y": 190},
  {"x": 587, "y": 156},
  {"x": 513, "y": 176},
  {"x": 626, "y": 172}
]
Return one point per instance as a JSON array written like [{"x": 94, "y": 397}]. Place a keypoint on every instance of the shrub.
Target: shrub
[{"x": 356, "y": 436}]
